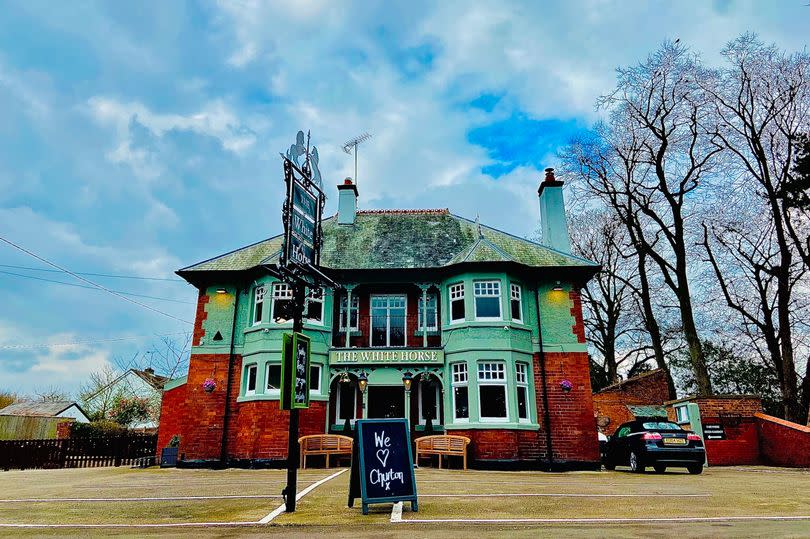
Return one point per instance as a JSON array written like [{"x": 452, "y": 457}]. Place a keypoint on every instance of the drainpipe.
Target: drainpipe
[
  {"x": 223, "y": 455},
  {"x": 546, "y": 411}
]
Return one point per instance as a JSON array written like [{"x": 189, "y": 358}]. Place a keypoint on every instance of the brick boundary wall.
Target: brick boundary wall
[
  {"x": 611, "y": 402},
  {"x": 783, "y": 443}
]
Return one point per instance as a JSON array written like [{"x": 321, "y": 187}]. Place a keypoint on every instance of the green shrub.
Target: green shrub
[{"x": 103, "y": 427}]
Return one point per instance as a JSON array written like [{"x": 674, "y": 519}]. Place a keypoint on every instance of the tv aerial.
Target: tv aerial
[{"x": 353, "y": 143}]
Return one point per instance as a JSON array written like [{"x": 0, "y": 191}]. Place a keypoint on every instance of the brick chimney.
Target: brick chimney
[
  {"x": 553, "y": 224},
  {"x": 347, "y": 202}
]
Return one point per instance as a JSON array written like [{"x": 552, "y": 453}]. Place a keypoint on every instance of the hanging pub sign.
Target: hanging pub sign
[
  {"x": 382, "y": 463},
  {"x": 295, "y": 358},
  {"x": 303, "y": 207}
]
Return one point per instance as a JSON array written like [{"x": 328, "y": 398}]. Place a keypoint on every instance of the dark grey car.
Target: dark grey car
[{"x": 657, "y": 443}]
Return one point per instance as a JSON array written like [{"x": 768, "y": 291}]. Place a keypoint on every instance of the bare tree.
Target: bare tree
[
  {"x": 167, "y": 358},
  {"x": 99, "y": 392},
  {"x": 760, "y": 105}
]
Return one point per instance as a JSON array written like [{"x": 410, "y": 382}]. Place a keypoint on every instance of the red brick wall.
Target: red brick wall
[
  {"x": 741, "y": 445},
  {"x": 573, "y": 427},
  {"x": 783, "y": 443},
  {"x": 502, "y": 444},
  {"x": 576, "y": 311},
  {"x": 610, "y": 404},
  {"x": 64, "y": 428},
  {"x": 199, "y": 318},
  {"x": 172, "y": 414}
]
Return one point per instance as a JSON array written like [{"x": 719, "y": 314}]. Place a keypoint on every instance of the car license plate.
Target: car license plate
[{"x": 674, "y": 441}]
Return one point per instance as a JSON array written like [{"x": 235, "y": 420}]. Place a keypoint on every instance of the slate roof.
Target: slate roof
[
  {"x": 647, "y": 410},
  {"x": 400, "y": 239},
  {"x": 38, "y": 409}
]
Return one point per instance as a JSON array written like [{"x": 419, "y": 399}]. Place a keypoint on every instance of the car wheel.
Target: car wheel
[
  {"x": 659, "y": 468},
  {"x": 695, "y": 469},
  {"x": 635, "y": 463}
]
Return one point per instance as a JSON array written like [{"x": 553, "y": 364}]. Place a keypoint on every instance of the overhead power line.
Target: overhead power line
[
  {"x": 92, "y": 283},
  {"x": 91, "y": 287},
  {"x": 76, "y": 343},
  {"x": 112, "y": 276}
]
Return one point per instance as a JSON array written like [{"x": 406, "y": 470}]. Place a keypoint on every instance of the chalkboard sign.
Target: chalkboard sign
[
  {"x": 382, "y": 463},
  {"x": 714, "y": 431},
  {"x": 295, "y": 371}
]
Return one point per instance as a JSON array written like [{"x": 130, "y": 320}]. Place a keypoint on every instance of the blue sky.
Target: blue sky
[{"x": 140, "y": 137}]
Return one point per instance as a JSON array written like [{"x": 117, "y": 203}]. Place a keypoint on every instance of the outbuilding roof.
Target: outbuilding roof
[
  {"x": 38, "y": 409},
  {"x": 402, "y": 239}
]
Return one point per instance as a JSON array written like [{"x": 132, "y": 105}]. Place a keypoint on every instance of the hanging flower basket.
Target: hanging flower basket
[
  {"x": 566, "y": 385},
  {"x": 209, "y": 385}
]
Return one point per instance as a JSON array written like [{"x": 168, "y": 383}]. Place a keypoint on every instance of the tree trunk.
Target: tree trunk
[{"x": 652, "y": 324}]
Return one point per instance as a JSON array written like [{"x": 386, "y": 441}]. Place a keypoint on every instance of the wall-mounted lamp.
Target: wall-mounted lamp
[
  {"x": 362, "y": 382},
  {"x": 221, "y": 291},
  {"x": 557, "y": 287},
  {"x": 407, "y": 379}
]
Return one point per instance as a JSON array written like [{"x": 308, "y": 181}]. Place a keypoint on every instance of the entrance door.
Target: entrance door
[
  {"x": 386, "y": 402},
  {"x": 388, "y": 320}
]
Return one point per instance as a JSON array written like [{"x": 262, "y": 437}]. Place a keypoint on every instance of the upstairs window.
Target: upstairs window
[
  {"x": 353, "y": 313},
  {"x": 515, "y": 302},
  {"x": 492, "y": 391},
  {"x": 461, "y": 402},
  {"x": 487, "y": 300},
  {"x": 313, "y": 308},
  {"x": 522, "y": 379},
  {"x": 315, "y": 379},
  {"x": 457, "y": 302},
  {"x": 258, "y": 304},
  {"x": 431, "y": 313},
  {"x": 282, "y": 303}
]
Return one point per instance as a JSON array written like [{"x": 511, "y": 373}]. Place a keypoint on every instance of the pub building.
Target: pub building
[{"x": 457, "y": 326}]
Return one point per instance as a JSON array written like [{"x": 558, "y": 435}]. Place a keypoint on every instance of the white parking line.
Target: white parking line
[
  {"x": 565, "y": 495},
  {"x": 280, "y": 509},
  {"x": 594, "y": 520},
  {"x": 396, "y": 512},
  {"x": 152, "y": 499}
]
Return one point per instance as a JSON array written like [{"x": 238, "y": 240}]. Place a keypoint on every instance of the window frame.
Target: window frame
[
  {"x": 259, "y": 293},
  {"x": 457, "y": 382},
  {"x": 317, "y": 377},
  {"x": 267, "y": 390},
  {"x": 255, "y": 368},
  {"x": 522, "y": 384},
  {"x": 459, "y": 289},
  {"x": 388, "y": 308},
  {"x": 321, "y": 300},
  {"x": 499, "y": 382},
  {"x": 288, "y": 296},
  {"x": 515, "y": 287},
  {"x": 433, "y": 325},
  {"x": 476, "y": 295},
  {"x": 682, "y": 410},
  {"x": 342, "y": 312}
]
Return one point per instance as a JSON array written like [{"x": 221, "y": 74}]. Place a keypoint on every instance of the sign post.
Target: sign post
[
  {"x": 298, "y": 267},
  {"x": 382, "y": 463}
]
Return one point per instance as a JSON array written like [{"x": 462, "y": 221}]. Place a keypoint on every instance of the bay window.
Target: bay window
[
  {"x": 492, "y": 391},
  {"x": 315, "y": 380},
  {"x": 487, "y": 300},
  {"x": 250, "y": 379},
  {"x": 515, "y": 302},
  {"x": 273, "y": 379},
  {"x": 461, "y": 405},
  {"x": 522, "y": 379},
  {"x": 282, "y": 303},
  {"x": 457, "y": 313},
  {"x": 258, "y": 304}
]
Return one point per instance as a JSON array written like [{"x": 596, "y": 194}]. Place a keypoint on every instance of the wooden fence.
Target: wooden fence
[{"x": 88, "y": 452}]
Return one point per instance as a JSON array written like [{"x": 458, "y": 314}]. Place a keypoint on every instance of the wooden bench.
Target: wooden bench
[
  {"x": 324, "y": 444},
  {"x": 442, "y": 445}
]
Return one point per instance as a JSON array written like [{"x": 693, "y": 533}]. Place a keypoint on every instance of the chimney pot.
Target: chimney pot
[
  {"x": 549, "y": 174},
  {"x": 347, "y": 181},
  {"x": 347, "y": 202}
]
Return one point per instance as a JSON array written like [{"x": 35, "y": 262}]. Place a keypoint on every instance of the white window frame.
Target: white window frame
[
  {"x": 319, "y": 374},
  {"x": 522, "y": 382},
  {"x": 258, "y": 299},
  {"x": 433, "y": 325},
  {"x": 267, "y": 390},
  {"x": 342, "y": 311},
  {"x": 516, "y": 294},
  {"x": 682, "y": 413},
  {"x": 487, "y": 382},
  {"x": 320, "y": 300},
  {"x": 388, "y": 320},
  {"x": 482, "y": 289},
  {"x": 340, "y": 420},
  {"x": 459, "y": 375},
  {"x": 248, "y": 368},
  {"x": 281, "y": 291},
  {"x": 422, "y": 419},
  {"x": 456, "y": 292}
]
